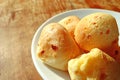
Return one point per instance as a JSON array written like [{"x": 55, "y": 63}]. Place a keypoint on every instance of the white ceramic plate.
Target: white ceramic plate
[{"x": 46, "y": 72}]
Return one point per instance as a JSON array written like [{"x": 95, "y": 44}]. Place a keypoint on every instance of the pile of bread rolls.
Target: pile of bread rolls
[{"x": 87, "y": 48}]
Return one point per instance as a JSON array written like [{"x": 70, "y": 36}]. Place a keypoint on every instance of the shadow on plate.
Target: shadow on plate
[{"x": 62, "y": 74}]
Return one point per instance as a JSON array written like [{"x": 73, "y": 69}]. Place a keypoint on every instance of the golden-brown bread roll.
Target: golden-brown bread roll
[
  {"x": 56, "y": 47},
  {"x": 95, "y": 65},
  {"x": 70, "y": 23},
  {"x": 97, "y": 30},
  {"x": 114, "y": 51}
]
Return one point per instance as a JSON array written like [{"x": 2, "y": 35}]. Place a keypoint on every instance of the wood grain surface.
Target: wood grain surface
[{"x": 19, "y": 19}]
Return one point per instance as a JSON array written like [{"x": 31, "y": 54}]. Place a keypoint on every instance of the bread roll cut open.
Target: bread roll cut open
[{"x": 95, "y": 65}]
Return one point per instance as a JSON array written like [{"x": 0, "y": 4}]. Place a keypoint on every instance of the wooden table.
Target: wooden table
[{"x": 19, "y": 19}]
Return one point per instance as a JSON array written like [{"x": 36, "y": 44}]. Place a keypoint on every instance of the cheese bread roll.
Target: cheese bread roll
[
  {"x": 70, "y": 23},
  {"x": 97, "y": 30},
  {"x": 95, "y": 65},
  {"x": 56, "y": 47}
]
